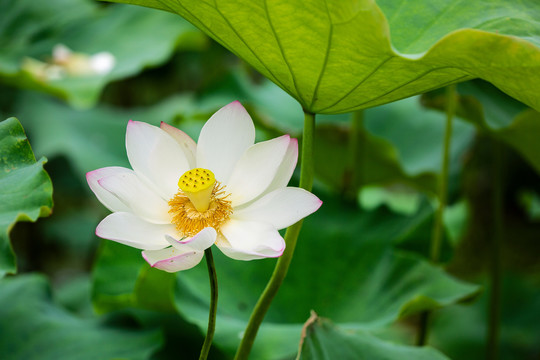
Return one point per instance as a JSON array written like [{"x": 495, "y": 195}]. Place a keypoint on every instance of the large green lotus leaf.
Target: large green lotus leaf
[
  {"x": 26, "y": 189},
  {"x": 322, "y": 340},
  {"x": 30, "y": 30},
  {"x": 344, "y": 268},
  {"x": 340, "y": 56},
  {"x": 34, "y": 327}
]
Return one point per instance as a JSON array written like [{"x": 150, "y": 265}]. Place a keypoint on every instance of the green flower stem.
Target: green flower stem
[
  {"x": 495, "y": 270},
  {"x": 437, "y": 235},
  {"x": 423, "y": 325},
  {"x": 213, "y": 304},
  {"x": 438, "y": 226},
  {"x": 291, "y": 236}
]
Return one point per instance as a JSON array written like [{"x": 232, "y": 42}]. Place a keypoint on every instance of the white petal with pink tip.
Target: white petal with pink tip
[
  {"x": 156, "y": 157},
  {"x": 286, "y": 168},
  {"x": 186, "y": 143},
  {"x": 256, "y": 169},
  {"x": 248, "y": 240},
  {"x": 140, "y": 199},
  {"x": 224, "y": 139},
  {"x": 281, "y": 208},
  {"x": 110, "y": 201},
  {"x": 129, "y": 229},
  {"x": 172, "y": 259},
  {"x": 200, "y": 242}
]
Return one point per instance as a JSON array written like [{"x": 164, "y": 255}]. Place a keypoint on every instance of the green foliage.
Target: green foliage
[
  {"x": 336, "y": 57},
  {"x": 360, "y": 260},
  {"x": 497, "y": 114},
  {"x": 460, "y": 330},
  {"x": 344, "y": 268},
  {"x": 41, "y": 330},
  {"x": 122, "y": 280},
  {"x": 92, "y": 138},
  {"x": 383, "y": 156},
  {"x": 87, "y": 29},
  {"x": 323, "y": 341},
  {"x": 522, "y": 136},
  {"x": 358, "y": 279},
  {"x": 26, "y": 188}
]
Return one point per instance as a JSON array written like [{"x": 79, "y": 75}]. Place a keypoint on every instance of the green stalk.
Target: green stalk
[
  {"x": 291, "y": 236},
  {"x": 213, "y": 304},
  {"x": 438, "y": 226},
  {"x": 492, "y": 352},
  {"x": 423, "y": 326},
  {"x": 437, "y": 235}
]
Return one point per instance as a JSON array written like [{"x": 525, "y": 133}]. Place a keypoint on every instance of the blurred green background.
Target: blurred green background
[{"x": 362, "y": 259}]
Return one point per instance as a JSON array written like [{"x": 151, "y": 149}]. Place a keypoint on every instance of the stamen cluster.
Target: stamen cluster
[{"x": 189, "y": 221}]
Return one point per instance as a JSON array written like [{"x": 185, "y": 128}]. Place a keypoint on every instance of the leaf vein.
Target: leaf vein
[
  {"x": 300, "y": 98},
  {"x": 274, "y": 77},
  {"x": 375, "y": 69},
  {"x": 326, "y": 56},
  {"x": 458, "y": 79},
  {"x": 212, "y": 34}
]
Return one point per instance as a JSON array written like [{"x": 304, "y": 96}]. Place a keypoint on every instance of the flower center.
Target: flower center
[
  {"x": 198, "y": 185},
  {"x": 200, "y": 202}
]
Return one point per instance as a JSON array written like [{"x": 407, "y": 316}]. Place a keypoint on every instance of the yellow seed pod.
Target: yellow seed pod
[{"x": 198, "y": 185}]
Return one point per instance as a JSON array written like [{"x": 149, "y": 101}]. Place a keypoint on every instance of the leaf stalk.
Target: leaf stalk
[
  {"x": 291, "y": 237},
  {"x": 442, "y": 194}
]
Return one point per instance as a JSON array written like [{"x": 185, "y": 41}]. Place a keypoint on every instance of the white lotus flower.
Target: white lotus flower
[
  {"x": 79, "y": 64},
  {"x": 65, "y": 62},
  {"x": 182, "y": 197}
]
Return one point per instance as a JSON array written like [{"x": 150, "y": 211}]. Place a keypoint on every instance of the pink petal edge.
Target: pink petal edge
[
  {"x": 279, "y": 252},
  {"x": 168, "y": 259},
  {"x": 164, "y": 125},
  {"x": 294, "y": 144},
  {"x": 91, "y": 175}
]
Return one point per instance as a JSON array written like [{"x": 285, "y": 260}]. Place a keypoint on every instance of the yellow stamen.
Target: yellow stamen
[
  {"x": 197, "y": 185},
  {"x": 189, "y": 221}
]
